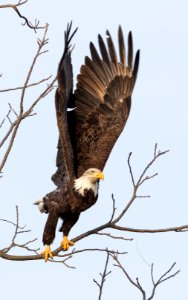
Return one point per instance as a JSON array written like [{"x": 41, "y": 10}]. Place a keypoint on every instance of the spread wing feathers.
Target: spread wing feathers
[
  {"x": 103, "y": 100},
  {"x": 63, "y": 100}
]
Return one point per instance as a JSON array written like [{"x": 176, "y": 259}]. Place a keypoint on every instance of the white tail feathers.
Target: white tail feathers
[{"x": 40, "y": 204}]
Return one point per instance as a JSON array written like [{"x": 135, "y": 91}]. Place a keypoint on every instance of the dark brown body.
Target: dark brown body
[{"x": 57, "y": 205}]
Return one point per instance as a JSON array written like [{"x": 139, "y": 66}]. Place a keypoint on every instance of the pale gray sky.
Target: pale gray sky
[{"x": 159, "y": 114}]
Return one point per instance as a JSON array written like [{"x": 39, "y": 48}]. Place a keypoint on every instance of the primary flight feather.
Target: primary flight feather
[{"x": 100, "y": 106}]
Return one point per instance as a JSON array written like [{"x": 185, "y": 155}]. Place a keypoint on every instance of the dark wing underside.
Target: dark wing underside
[
  {"x": 103, "y": 101},
  {"x": 63, "y": 100}
]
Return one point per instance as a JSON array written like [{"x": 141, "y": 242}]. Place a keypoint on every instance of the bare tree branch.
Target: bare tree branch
[
  {"x": 13, "y": 110},
  {"x": 163, "y": 278},
  {"x": 182, "y": 228},
  {"x": 130, "y": 169},
  {"x": 166, "y": 276},
  {"x": 41, "y": 44},
  {"x": 14, "y": 126},
  {"x": 35, "y": 26},
  {"x": 28, "y": 86},
  {"x": 103, "y": 276},
  {"x": 139, "y": 182},
  {"x": 2, "y": 122},
  {"x": 10, "y": 222},
  {"x": 114, "y": 237},
  {"x": 115, "y": 257},
  {"x": 74, "y": 251},
  {"x": 113, "y": 208},
  {"x": 18, "y": 230}
]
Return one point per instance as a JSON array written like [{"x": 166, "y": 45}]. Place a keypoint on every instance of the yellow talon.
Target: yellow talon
[
  {"x": 66, "y": 243},
  {"x": 47, "y": 253}
]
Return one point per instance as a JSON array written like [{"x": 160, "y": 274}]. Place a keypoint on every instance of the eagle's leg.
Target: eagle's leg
[
  {"x": 65, "y": 243},
  {"x": 68, "y": 223},
  {"x": 47, "y": 253},
  {"x": 49, "y": 233}
]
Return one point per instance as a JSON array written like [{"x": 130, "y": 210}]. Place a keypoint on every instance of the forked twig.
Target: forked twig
[
  {"x": 103, "y": 277},
  {"x": 135, "y": 282},
  {"x": 18, "y": 230},
  {"x": 35, "y": 27}
]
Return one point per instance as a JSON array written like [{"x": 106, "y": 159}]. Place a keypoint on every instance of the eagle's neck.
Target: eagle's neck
[{"x": 83, "y": 184}]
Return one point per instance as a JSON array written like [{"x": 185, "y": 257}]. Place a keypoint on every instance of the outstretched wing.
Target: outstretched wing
[
  {"x": 63, "y": 100},
  {"x": 103, "y": 100}
]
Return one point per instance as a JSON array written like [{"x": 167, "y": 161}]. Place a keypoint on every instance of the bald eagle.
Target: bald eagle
[{"x": 89, "y": 121}]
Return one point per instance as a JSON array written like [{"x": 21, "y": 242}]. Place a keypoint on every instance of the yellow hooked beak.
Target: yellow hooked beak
[{"x": 100, "y": 175}]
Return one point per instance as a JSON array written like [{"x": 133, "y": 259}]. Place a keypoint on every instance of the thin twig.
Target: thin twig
[
  {"x": 18, "y": 230},
  {"x": 13, "y": 110},
  {"x": 103, "y": 276},
  {"x": 2, "y": 122},
  {"x": 114, "y": 237},
  {"x": 113, "y": 208},
  {"x": 136, "y": 282},
  {"x": 163, "y": 278},
  {"x": 115, "y": 257},
  {"x": 10, "y": 222},
  {"x": 35, "y": 27},
  {"x": 139, "y": 182},
  {"x": 28, "y": 86},
  {"x": 130, "y": 169}
]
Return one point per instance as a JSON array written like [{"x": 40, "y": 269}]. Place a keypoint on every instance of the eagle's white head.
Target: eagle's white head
[{"x": 89, "y": 180}]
